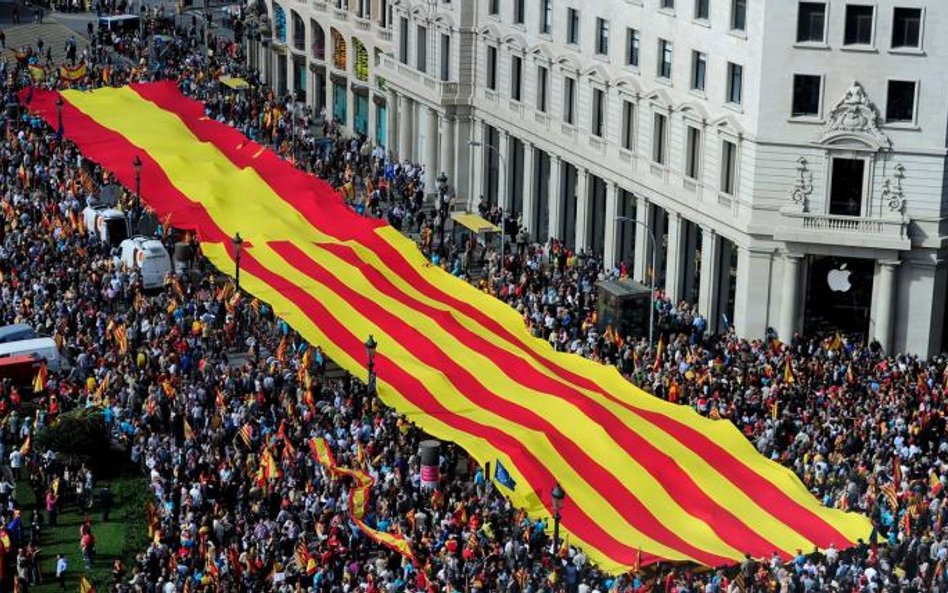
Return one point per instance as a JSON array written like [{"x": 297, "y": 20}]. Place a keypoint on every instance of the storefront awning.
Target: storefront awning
[{"x": 474, "y": 222}]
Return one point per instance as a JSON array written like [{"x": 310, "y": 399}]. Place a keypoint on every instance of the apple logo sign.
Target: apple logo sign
[{"x": 838, "y": 279}]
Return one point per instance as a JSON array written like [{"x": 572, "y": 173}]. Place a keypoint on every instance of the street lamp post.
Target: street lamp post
[
  {"x": 503, "y": 163},
  {"x": 557, "y": 495},
  {"x": 370, "y": 346},
  {"x": 238, "y": 246},
  {"x": 137, "y": 166},
  {"x": 651, "y": 298},
  {"x": 442, "y": 207},
  {"x": 59, "y": 114},
  {"x": 293, "y": 126}
]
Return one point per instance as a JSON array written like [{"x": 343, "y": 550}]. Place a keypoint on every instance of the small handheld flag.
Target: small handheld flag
[{"x": 503, "y": 477}]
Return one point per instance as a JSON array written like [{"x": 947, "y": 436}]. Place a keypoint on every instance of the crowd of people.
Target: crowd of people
[{"x": 216, "y": 399}]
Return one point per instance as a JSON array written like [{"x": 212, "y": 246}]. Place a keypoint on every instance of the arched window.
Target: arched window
[
  {"x": 299, "y": 32},
  {"x": 279, "y": 23},
  {"x": 339, "y": 57},
  {"x": 319, "y": 40},
  {"x": 361, "y": 60}
]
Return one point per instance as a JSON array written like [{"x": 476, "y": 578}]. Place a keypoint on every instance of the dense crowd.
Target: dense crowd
[{"x": 206, "y": 388}]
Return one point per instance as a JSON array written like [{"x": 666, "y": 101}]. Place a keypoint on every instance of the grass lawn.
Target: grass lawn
[{"x": 122, "y": 537}]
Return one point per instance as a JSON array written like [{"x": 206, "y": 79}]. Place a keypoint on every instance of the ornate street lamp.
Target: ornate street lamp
[
  {"x": 137, "y": 166},
  {"x": 370, "y": 346},
  {"x": 558, "y": 496},
  {"x": 238, "y": 245}
]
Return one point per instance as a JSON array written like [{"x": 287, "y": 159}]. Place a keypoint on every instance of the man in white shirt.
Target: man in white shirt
[
  {"x": 16, "y": 462},
  {"x": 61, "y": 565}
]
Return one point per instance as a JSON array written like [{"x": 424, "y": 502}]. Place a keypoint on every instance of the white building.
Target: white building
[{"x": 766, "y": 143}]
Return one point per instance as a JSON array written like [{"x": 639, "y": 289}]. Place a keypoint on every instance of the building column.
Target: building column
[
  {"x": 462, "y": 159},
  {"x": 447, "y": 150},
  {"x": 529, "y": 199},
  {"x": 391, "y": 111},
  {"x": 643, "y": 244},
  {"x": 610, "y": 244},
  {"x": 477, "y": 164},
  {"x": 404, "y": 128},
  {"x": 790, "y": 296},
  {"x": 371, "y": 132},
  {"x": 674, "y": 256},
  {"x": 690, "y": 230},
  {"x": 708, "y": 283},
  {"x": 556, "y": 197},
  {"x": 503, "y": 170},
  {"x": 752, "y": 295},
  {"x": 350, "y": 107},
  {"x": 884, "y": 306},
  {"x": 431, "y": 151},
  {"x": 582, "y": 209},
  {"x": 330, "y": 106}
]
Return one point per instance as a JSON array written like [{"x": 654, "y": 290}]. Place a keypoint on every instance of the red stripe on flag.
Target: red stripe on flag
[
  {"x": 660, "y": 466},
  {"x": 411, "y": 388},
  {"x": 114, "y": 152}
]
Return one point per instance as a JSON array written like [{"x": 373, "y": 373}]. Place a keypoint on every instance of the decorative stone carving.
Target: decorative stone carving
[
  {"x": 855, "y": 115},
  {"x": 893, "y": 196},
  {"x": 802, "y": 188}
]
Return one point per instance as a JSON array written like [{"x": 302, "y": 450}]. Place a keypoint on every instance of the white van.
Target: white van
[
  {"x": 149, "y": 257},
  {"x": 40, "y": 348},
  {"x": 109, "y": 224}
]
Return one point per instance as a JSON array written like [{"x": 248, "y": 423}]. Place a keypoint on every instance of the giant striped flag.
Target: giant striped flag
[{"x": 645, "y": 479}]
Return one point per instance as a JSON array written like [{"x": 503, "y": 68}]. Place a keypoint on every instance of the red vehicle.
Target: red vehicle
[{"x": 20, "y": 369}]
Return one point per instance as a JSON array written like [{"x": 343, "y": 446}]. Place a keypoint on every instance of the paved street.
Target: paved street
[{"x": 51, "y": 32}]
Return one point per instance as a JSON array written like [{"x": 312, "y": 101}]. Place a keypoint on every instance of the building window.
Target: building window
[
  {"x": 516, "y": 77},
  {"x": 659, "y": 132},
  {"x": 403, "y": 40},
  {"x": 518, "y": 12},
  {"x": 599, "y": 110},
  {"x": 702, "y": 9},
  {"x": 543, "y": 76},
  {"x": 569, "y": 99},
  {"x": 445, "y": 57},
  {"x": 602, "y": 37},
  {"x": 572, "y": 25},
  {"x": 693, "y": 157},
  {"x": 383, "y": 14},
  {"x": 846, "y": 187},
  {"x": 735, "y": 83},
  {"x": 738, "y": 15},
  {"x": 858, "y": 25},
  {"x": 806, "y": 95},
  {"x": 632, "y": 47},
  {"x": 493, "y": 7},
  {"x": 906, "y": 27},
  {"x": 664, "y": 58},
  {"x": 699, "y": 70},
  {"x": 728, "y": 167},
  {"x": 546, "y": 16},
  {"x": 669, "y": 4},
  {"x": 422, "y": 49},
  {"x": 492, "y": 67},
  {"x": 811, "y": 22},
  {"x": 900, "y": 103},
  {"x": 628, "y": 125}
]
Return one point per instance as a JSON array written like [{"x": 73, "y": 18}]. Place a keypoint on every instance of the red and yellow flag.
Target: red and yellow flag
[
  {"x": 39, "y": 381},
  {"x": 358, "y": 497},
  {"x": 639, "y": 473}
]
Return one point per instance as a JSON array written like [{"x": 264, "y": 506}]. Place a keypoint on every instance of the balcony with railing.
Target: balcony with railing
[
  {"x": 405, "y": 76},
  {"x": 850, "y": 231}
]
